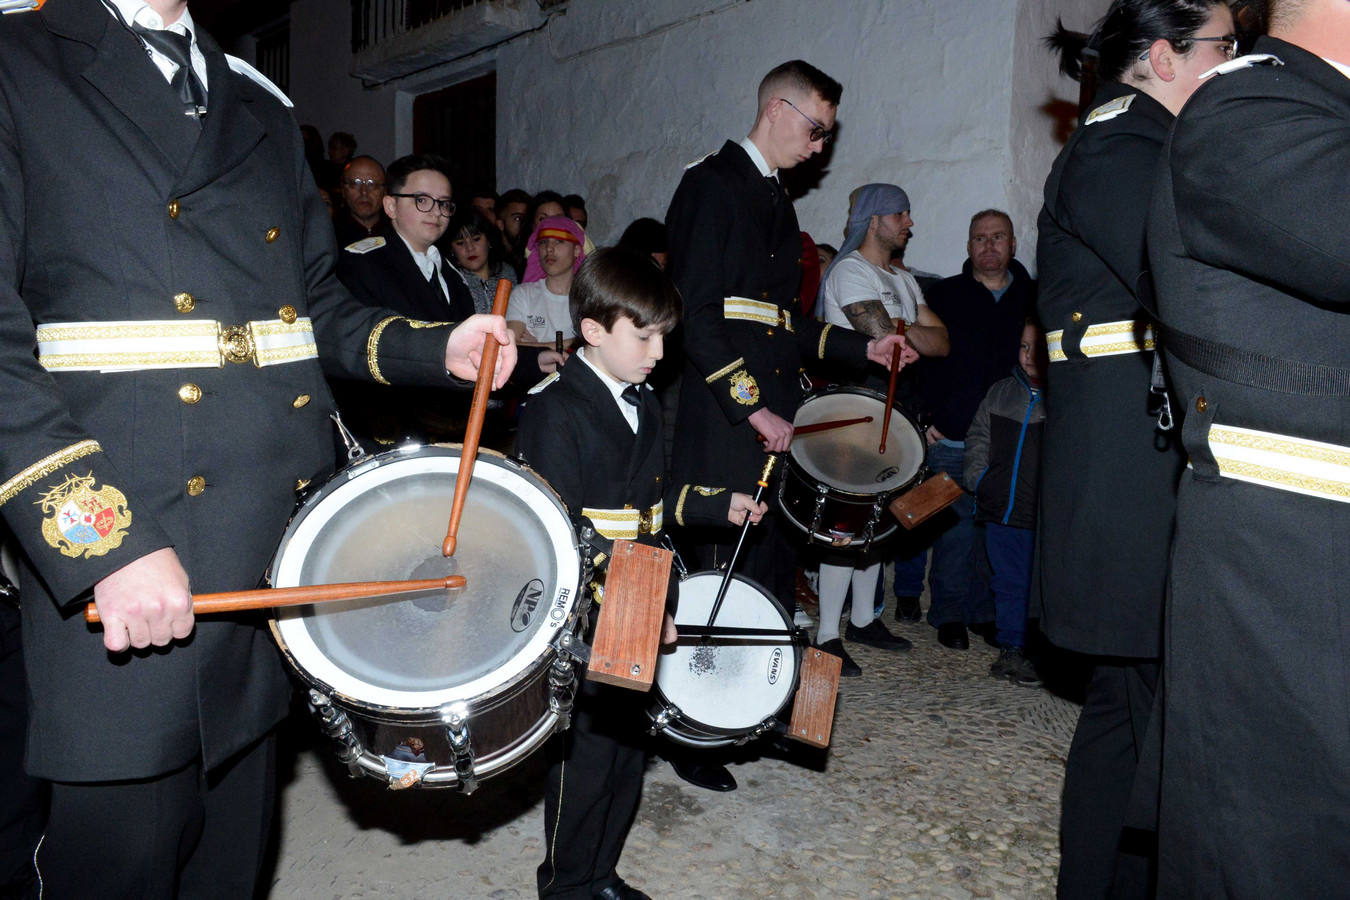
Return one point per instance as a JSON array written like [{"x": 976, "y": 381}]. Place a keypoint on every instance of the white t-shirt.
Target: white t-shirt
[
  {"x": 542, "y": 311},
  {"x": 854, "y": 278}
]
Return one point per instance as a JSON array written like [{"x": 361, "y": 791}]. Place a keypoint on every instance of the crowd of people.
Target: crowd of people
[{"x": 1108, "y": 488}]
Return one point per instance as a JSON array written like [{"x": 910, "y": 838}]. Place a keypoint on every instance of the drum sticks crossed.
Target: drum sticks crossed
[{"x": 267, "y": 598}]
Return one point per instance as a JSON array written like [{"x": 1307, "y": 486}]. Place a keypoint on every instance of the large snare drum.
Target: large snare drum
[
  {"x": 835, "y": 485},
  {"x": 726, "y": 690},
  {"x": 437, "y": 689}
]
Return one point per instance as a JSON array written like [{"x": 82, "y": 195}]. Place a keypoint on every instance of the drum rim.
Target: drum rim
[
  {"x": 314, "y": 666},
  {"x": 661, "y": 702}
]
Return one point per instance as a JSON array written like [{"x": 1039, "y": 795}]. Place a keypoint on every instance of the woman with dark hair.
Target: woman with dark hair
[
  {"x": 1108, "y": 478},
  {"x": 648, "y": 237},
  {"x": 472, "y": 241},
  {"x": 543, "y": 205}
]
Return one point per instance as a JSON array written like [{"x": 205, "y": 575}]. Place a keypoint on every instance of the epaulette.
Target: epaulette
[
  {"x": 699, "y": 160},
  {"x": 1243, "y": 62},
  {"x": 258, "y": 78},
  {"x": 18, "y": 6},
  {"x": 543, "y": 384},
  {"x": 1108, "y": 111},
  {"x": 365, "y": 245}
]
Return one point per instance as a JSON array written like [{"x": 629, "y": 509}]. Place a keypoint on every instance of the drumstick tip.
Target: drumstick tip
[{"x": 448, "y": 548}]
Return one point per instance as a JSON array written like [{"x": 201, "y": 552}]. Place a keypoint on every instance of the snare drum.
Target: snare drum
[
  {"x": 729, "y": 689},
  {"x": 434, "y": 689},
  {"x": 835, "y": 486}
]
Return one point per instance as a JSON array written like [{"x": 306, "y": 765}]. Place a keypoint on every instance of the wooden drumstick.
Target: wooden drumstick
[
  {"x": 477, "y": 412},
  {"x": 818, "y": 427},
  {"x": 890, "y": 389},
  {"x": 266, "y": 598}
]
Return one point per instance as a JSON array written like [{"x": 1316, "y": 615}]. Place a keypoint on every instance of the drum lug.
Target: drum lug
[
  {"x": 354, "y": 449},
  {"x": 871, "y": 526},
  {"x": 338, "y": 727},
  {"x": 822, "y": 495},
  {"x": 562, "y": 678},
  {"x": 456, "y": 719},
  {"x": 763, "y": 728},
  {"x": 662, "y": 719}
]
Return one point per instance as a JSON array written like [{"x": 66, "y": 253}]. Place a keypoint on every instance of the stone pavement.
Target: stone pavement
[{"x": 940, "y": 782}]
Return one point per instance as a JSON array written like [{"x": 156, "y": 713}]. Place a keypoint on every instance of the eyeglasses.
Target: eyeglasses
[
  {"x": 361, "y": 184},
  {"x": 819, "y": 132},
  {"x": 1229, "y": 51},
  {"x": 426, "y": 203}
]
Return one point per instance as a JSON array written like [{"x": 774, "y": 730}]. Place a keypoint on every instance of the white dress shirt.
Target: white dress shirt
[
  {"x": 616, "y": 387},
  {"x": 138, "y": 12}
]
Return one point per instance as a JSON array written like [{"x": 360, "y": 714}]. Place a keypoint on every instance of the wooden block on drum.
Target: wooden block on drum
[
  {"x": 628, "y": 630},
  {"x": 813, "y": 708},
  {"x": 925, "y": 501}
]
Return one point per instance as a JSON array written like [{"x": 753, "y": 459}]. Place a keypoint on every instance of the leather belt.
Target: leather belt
[
  {"x": 172, "y": 344},
  {"x": 1105, "y": 339}
]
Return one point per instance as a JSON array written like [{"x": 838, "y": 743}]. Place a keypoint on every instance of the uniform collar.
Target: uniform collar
[
  {"x": 429, "y": 262},
  {"x": 1339, "y": 67},
  {"x": 758, "y": 158},
  {"x": 138, "y": 12}
]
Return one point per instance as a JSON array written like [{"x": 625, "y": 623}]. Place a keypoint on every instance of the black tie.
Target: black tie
[
  {"x": 631, "y": 395},
  {"x": 775, "y": 189},
  {"x": 437, "y": 289},
  {"x": 178, "y": 48}
]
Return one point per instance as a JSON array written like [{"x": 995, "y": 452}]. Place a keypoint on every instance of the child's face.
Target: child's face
[
  {"x": 1029, "y": 353},
  {"x": 556, "y": 257},
  {"x": 625, "y": 351}
]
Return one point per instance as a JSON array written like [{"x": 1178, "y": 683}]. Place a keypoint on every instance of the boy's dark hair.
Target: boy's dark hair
[
  {"x": 799, "y": 75},
  {"x": 645, "y": 235},
  {"x": 514, "y": 195},
  {"x": 396, "y": 176},
  {"x": 615, "y": 282},
  {"x": 539, "y": 200},
  {"x": 573, "y": 201}
]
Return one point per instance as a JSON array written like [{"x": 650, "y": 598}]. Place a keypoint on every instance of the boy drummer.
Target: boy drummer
[{"x": 595, "y": 434}]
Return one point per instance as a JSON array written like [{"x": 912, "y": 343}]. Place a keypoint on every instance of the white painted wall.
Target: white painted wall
[{"x": 947, "y": 98}]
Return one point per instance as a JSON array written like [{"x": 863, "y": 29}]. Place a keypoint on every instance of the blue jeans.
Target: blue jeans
[
  {"x": 1010, "y": 552},
  {"x": 958, "y": 593}
]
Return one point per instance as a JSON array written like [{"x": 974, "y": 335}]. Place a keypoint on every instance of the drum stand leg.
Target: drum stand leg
[
  {"x": 338, "y": 727},
  {"x": 456, "y": 721}
]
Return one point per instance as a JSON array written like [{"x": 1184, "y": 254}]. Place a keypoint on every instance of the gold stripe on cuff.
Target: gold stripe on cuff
[
  {"x": 725, "y": 370},
  {"x": 373, "y": 349},
  {"x": 820, "y": 351},
  {"x": 44, "y": 467},
  {"x": 679, "y": 507}
]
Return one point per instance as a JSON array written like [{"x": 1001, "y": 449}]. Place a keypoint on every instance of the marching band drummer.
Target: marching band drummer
[
  {"x": 175, "y": 403},
  {"x": 595, "y": 433}
]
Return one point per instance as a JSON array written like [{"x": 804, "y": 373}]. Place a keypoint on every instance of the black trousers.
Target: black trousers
[
  {"x": 1100, "y": 856},
  {"x": 23, "y": 799},
  {"x": 593, "y": 790},
  {"x": 185, "y": 834}
]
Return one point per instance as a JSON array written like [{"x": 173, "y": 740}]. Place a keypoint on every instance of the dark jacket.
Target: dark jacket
[
  {"x": 1003, "y": 452},
  {"x": 229, "y": 214},
  {"x": 984, "y": 335},
  {"x": 728, "y": 238}
]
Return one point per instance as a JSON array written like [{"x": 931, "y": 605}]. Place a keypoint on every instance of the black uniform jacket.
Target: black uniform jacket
[
  {"x": 112, "y": 202},
  {"x": 573, "y": 434},
  {"x": 729, "y": 238},
  {"x": 1108, "y": 492},
  {"x": 1249, "y": 246}
]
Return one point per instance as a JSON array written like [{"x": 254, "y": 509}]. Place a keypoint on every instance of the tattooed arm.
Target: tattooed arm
[{"x": 870, "y": 318}]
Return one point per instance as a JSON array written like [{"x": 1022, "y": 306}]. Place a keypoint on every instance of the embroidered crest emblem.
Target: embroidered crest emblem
[
  {"x": 365, "y": 245},
  {"x": 744, "y": 389},
  {"x": 81, "y": 521},
  {"x": 708, "y": 492},
  {"x": 1108, "y": 111}
]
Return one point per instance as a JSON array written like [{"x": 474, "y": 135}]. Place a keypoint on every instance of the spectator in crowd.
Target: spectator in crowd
[
  {"x": 512, "y": 207},
  {"x": 341, "y": 149},
  {"x": 325, "y": 175},
  {"x": 484, "y": 199},
  {"x": 648, "y": 237},
  {"x": 826, "y": 253},
  {"x": 1002, "y": 470},
  {"x": 984, "y": 309},
  {"x": 543, "y": 205},
  {"x": 538, "y": 313},
  {"x": 363, "y": 186},
  {"x": 575, "y": 205},
  {"x": 472, "y": 241}
]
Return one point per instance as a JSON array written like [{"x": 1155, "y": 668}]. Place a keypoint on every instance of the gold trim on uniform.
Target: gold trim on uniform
[
  {"x": 373, "y": 351},
  {"x": 172, "y": 344},
  {"x": 679, "y": 505},
  {"x": 626, "y": 524},
  {"x": 418, "y": 323},
  {"x": 824, "y": 333},
  {"x": 1295, "y": 464},
  {"x": 746, "y": 310},
  {"x": 46, "y": 466},
  {"x": 744, "y": 388},
  {"x": 81, "y": 521},
  {"x": 726, "y": 370},
  {"x": 1103, "y": 339}
]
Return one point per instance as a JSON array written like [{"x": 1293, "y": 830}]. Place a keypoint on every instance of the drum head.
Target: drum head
[
  {"x": 384, "y": 520},
  {"x": 846, "y": 459},
  {"x": 730, "y": 684}
]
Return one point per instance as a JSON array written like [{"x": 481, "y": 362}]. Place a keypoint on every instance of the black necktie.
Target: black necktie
[
  {"x": 631, "y": 395},
  {"x": 437, "y": 289},
  {"x": 178, "y": 48},
  {"x": 775, "y": 189}
]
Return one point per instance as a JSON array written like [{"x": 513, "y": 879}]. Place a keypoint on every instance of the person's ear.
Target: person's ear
[{"x": 1163, "y": 59}]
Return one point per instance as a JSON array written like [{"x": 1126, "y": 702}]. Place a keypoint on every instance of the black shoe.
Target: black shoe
[
  {"x": 1013, "y": 665},
  {"x": 953, "y": 636},
  {"x": 874, "y": 634},
  {"x": 712, "y": 776},
  {"x": 907, "y": 609},
  {"x": 988, "y": 631},
  {"x": 835, "y": 647},
  {"x": 621, "y": 891}
]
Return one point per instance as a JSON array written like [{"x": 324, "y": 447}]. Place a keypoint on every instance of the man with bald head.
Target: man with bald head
[
  {"x": 1251, "y": 263},
  {"x": 363, "y": 199}
]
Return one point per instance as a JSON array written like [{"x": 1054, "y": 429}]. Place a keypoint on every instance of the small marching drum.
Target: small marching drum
[
  {"x": 836, "y": 486},
  {"x": 727, "y": 689},
  {"x": 434, "y": 689}
]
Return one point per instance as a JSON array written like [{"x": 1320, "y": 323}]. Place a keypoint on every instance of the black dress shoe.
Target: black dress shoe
[
  {"x": 988, "y": 631},
  {"x": 835, "y": 647},
  {"x": 621, "y": 891},
  {"x": 712, "y": 776},
  {"x": 907, "y": 609},
  {"x": 953, "y": 636},
  {"x": 874, "y": 634}
]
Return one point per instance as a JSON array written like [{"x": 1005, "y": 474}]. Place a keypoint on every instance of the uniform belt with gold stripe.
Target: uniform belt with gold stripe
[
  {"x": 1105, "y": 339},
  {"x": 747, "y": 310},
  {"x": 1312, "y": 468},
  {"x": 626, "y": 524},
  {"x": 172, "y": 344}
]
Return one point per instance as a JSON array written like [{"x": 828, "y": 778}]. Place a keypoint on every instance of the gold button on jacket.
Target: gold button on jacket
[
  {"x": 189, "y": 393},
  {"x": 184, "y": 302},
  {"x": 1201, "y": 404},
  {"x": 173, "y": 209},
  {"x": 287, "y": 314},
  {"x": 272, "y": 234},
  {"x": 1077, "y": 317},
  {"x": 196, "y": 484},
  {"x": 300, "y": 401}
]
